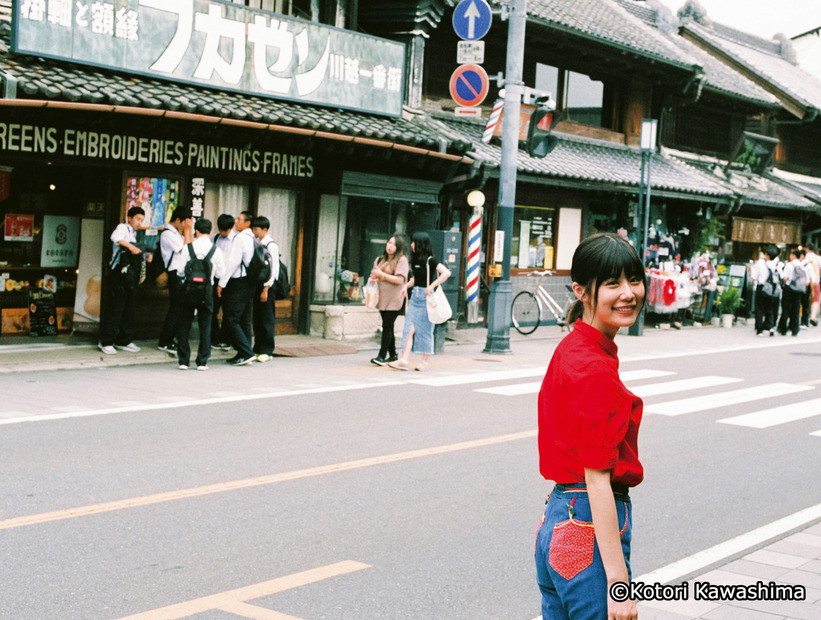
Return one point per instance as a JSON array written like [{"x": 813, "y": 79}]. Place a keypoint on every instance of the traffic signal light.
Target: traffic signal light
[{"x": 540, "y": 141}]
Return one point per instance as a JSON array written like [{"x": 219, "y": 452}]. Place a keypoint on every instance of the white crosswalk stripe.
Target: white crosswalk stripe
[
  {"x": 533, "y": 388},
  {"x": 816, "y": 434},
  {"x": 777, "y": 415},
  {"x": 481, "y": 377},
  {"x": 724, "y": 399},
  {"x": 683, "y": 385}
]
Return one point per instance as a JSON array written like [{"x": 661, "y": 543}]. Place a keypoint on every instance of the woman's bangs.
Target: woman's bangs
[{"x": 621, "y": 258}]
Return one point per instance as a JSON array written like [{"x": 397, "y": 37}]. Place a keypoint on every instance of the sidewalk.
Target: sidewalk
[{"x": 789, "y": 565}]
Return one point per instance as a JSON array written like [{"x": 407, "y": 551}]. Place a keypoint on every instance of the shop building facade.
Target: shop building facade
[{"x": 81, "y": 144}]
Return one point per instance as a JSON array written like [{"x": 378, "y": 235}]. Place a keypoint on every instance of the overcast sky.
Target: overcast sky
[{"x": 761, "y": 17}]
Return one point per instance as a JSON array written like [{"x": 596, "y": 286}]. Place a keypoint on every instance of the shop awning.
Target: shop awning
[
  {"x": 592, "y": 164},
  {"x": 389, "y": 188}
]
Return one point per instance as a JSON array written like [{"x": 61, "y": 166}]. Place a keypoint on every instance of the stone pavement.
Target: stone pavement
[{"x": 788, "y": 557}]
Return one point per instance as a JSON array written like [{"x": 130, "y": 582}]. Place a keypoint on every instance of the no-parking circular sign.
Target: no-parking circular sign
[{"x": 469, "y": 85}]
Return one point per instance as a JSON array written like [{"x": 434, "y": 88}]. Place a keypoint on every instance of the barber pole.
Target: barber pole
[
  {"x": 474, "y": 250},
  {"x": 493, "y": 120}
]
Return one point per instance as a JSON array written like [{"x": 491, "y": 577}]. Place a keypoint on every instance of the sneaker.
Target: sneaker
[
  {"x": 232, "y": 360},
  {"x": 130, "y": 347},
  {"x": 203, "y": 367},
  {"x": 263, "y": 357},
  {"x": 224, "y": 346},
  {"x": 243, "y": 361},
  {"x": 772, "y": 332},
  {"x": 183, "y": 367},
  {"x": 399, "y": 365},
  {"x": 392, "y": 358},
  {"x": 379, "y": 360},
  {"x": 107, "y": 349},
  {"x": 171, "y": 349}
]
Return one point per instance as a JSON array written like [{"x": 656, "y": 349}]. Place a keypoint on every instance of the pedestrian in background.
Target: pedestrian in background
[
  {"x": 795, "y": 285},
  {"x": 390, "y": 272},
  {"x": 237, "y": 291},
  {"x": 173, "y": 238},
  {"x": 767, "y": 280},
  {"x": 417, "y": 334},
  {"x": 117, "y": 325},
  {"x": 222, "y": 241},
  {"x": 814, "y": 270},
  {"x": 588, "y": 434},
  {"x": 264, "y": 297}
]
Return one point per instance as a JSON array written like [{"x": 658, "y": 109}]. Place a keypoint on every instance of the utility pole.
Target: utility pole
[{"x": 501, "y": 292}]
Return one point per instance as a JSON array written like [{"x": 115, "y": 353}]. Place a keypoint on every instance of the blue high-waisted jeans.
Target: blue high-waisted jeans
[{"x": 569, "y": 568}]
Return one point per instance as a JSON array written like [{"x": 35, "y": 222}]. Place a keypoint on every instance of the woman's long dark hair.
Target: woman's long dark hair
[
  {"x": 399, "y": 242},
  {"x": 422, "y": 247},
  {"x": 600, "y": 258}
]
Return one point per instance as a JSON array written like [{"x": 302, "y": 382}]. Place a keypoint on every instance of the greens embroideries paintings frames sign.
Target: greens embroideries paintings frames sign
[{"x": 220, "y": 45}]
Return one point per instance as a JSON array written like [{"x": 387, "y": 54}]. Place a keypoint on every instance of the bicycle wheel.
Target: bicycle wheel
[{"x": 525, "y": 313}]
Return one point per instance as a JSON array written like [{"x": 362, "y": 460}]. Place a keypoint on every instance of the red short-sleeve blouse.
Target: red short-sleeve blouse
[{"x": 587, "y": 418}]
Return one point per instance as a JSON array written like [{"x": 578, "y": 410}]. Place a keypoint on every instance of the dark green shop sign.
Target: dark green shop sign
[{"x": 218, "y": 44}]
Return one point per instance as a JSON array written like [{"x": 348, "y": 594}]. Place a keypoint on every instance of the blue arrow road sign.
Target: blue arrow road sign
[{"x": 472, "y": 19}]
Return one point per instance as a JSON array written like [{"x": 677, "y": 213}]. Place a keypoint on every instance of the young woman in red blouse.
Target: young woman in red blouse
[{"x": 588, "y": 431}]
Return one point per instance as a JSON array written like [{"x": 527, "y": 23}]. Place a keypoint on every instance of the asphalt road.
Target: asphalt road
[{"x": 327, "y": 489}]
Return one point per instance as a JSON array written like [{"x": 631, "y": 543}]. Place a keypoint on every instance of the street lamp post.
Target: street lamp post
[{"x": 647, "y": 145}]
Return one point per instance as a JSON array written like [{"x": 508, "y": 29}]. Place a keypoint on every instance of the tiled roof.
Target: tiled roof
[
  {"x": 595, "y": 162},
  {"x": 718, "y": 76},
  {"x": 54, "y": 80},
  {"x": 611, "y": 23},
  {"x": 762, "y": 57},
  {"x": 753, "y": 189}
]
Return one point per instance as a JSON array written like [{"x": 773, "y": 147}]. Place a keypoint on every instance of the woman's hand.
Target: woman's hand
[
  {"x": 376, "y": 274},
  {"x": 428, "y": 290},
  {"x": 626, "y": 610}
]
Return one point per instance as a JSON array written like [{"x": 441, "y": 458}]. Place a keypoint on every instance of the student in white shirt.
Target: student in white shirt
[
  {"x": 201, "y": 246},
  {"x": 237, "y": 291},
  {"x": 117, "y": 325},
  {"x": 264, "y": 298},
  {"x": 173, "y": 238},
  {"x": 222, "y": 240}
]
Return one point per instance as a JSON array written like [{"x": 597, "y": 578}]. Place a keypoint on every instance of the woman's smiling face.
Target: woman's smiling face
[{"x": 619, "y": 303}]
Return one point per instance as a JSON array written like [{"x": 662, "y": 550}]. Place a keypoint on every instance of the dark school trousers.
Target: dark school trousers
[
  {"x": 118, "y": 320},
  {"x": 172, "y": 317},
  {"x": 218, "y": 334},
  {"x": 790, "y": 306},
  {"x": 204, "y": 312},
  {"x": 765, "y": 308},
  {"x": 264, "y": 322},
  {"x": 237, "y": 303}
]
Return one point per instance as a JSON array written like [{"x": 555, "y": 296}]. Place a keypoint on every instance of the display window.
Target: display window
[
  {"x": 43, "y": 208},
  {"x": 352, "y": 233},
  {"x": 532, "y": 245}
]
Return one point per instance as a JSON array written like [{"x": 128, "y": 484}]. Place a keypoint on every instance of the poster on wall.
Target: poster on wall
[
  {"x": 19, "y": 227},
  {"x": 89, "y": 276},
  {"x": 157, "y": 197},
  {"x": 42, "y": 313},
  {"x": 61, "y": 241}
]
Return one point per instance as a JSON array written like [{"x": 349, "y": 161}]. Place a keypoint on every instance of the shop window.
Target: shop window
[
  {"x": 224, "y": 198},
  {"x": 44, "y": 210},
  {"x": 532, "y": 243},
  {"x": 577, "y": 95},
  {"x": 279, "y": 206},
  {"x": 352, "y": 233}
]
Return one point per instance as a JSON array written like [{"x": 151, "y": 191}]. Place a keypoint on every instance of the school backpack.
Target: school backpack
[
  {"x": 130, "y": 268},
  {"x": 259, "y": 267},
  {"x": 799, "y": 280},
  {"x": 772, "y": 287},
  {"x": 282, "y": 288},
  {"x": 196, "y": 279},
  {"x": 157, "y": 266}
]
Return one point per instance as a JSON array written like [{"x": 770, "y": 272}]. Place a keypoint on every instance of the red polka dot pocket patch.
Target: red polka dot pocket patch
[{"x": 571, "y": 548}]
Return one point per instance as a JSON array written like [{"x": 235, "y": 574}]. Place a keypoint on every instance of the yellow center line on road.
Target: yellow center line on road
[
  {"x": 233, "y": 601},
  {"x": 222, "y": 487}
]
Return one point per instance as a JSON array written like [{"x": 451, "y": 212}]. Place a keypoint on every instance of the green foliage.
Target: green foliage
[
  {"x": 729, "y": 301},
  {"x": 712, "y": 234}
]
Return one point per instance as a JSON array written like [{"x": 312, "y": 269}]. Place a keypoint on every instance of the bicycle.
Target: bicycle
[{"x": 528, "y": 307}]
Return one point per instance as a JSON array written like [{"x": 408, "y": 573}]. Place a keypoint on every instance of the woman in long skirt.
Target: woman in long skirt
[{"x": 417, "y": 334}]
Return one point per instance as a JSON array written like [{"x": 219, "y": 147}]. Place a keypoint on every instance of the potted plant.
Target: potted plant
[{"x": 728, "y": 302}]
